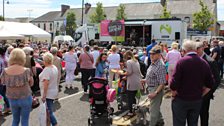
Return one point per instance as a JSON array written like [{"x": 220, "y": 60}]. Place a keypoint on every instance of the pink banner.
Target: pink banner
[{"x": 112, "y": 28}]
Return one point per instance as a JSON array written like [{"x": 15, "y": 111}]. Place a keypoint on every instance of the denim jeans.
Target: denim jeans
[
  {"x": 50, "y": 110},
  {"x": 21, "y": 109}
]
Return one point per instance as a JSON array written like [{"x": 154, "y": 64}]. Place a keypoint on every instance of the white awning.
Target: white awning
[
  {"x": 26, "y": 29},
  {"x": 7, "y": 35}
]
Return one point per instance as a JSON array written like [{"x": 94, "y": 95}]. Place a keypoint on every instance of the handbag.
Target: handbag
[
  {"x": 35, "y": 102},
  {"x": 77, "y": 69}
]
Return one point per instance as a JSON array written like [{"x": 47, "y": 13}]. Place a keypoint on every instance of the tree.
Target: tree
[
  {"x": 121, "y": 12},
  {"x": 1, "y": 18},
  {"x": 166, "y": 13},
  {"x": 98, "y": 15},
  {"x": 203, "y": 19},
  {"x": 70, "y": 23}
]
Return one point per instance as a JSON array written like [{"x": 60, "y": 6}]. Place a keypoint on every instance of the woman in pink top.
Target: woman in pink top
[
  {"x": 86, "y": 64},
  {"x": 172, "y": 57}
]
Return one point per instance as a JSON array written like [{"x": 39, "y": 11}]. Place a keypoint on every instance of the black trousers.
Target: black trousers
[
  {"x": 131, "y": 99},
  {"x": 86, "y": 74},
  {"x": 221, "y": 68},
  {"x": 185, "y": 110},
  {"x": 204, "y": 113}
]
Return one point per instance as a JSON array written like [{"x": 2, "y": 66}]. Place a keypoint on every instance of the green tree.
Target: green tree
[
  {"x": 121, "y": 12},
  {"x": 70, "y": 23},
  {"x": 98, "y": 15},
  {"x": 1, "y": 18},
  {"x": 166, "y": 13},
  {"x": 203, "y": 19}
]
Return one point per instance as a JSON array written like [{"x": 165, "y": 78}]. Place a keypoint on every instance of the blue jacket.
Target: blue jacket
[{"x": 100, "y": 69}]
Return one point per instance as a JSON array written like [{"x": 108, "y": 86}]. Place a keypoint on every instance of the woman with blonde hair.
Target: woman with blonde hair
[
  {"x": 172, "y": 57},
  {"x": 18, "y": 81},
  {"x": 134, "y": 77},
  {"x": 114, "y": 63},
  {"x": 49, "y": 85}
]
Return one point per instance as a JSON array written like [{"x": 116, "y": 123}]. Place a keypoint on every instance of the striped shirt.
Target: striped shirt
[{"x": 156, "y": 74}]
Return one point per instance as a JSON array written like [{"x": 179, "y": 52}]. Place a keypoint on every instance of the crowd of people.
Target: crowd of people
[{"x": 192, "y": 73}]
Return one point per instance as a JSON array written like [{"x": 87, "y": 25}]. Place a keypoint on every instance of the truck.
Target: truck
[
  {"x": 161, "y": 30},
  {"x": 86, "y": 34},
  {"x": 136, "y": 32}
]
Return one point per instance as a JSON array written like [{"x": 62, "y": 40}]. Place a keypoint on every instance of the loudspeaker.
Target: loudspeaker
[
  {"x": 177, "y": 35},
  {"x": 97, "y": 36}
]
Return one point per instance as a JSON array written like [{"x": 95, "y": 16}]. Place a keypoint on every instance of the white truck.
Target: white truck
[
  {"x": 85, "y": 34},
  {"x": 162, "y": 30}
]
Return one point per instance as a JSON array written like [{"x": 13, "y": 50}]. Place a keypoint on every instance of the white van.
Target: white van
[{"x": 63, "y": 39}]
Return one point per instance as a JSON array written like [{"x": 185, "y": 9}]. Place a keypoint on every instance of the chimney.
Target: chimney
[
  {"x": 64, "y": 8},
  {"x": 163, "y": 2}
]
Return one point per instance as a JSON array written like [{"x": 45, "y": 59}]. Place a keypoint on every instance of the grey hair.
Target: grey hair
[
  {"x": 189, "y": 45},
  {"x": 27, "y": 50},
  {"x": 54, "y": 50}
]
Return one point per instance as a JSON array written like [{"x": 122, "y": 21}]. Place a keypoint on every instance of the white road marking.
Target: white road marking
[{"x": 69, "y": 96}]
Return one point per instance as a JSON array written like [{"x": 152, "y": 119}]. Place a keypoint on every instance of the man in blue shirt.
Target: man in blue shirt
[{"x": 148, "y": 48}]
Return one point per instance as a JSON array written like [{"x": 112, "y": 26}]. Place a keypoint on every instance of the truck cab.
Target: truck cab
[{"x": 85, "y": 34}]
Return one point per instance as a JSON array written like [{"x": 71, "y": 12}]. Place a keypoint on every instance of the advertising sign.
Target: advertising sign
[{"x": 112, "y": 30}]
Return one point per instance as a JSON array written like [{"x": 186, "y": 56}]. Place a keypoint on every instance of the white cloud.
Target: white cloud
[
  {"x": 18, "y": 8},
  {"x": 220, "y": 5}
]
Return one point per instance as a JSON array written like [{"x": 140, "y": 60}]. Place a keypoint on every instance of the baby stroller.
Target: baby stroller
[{"x": 99, "y": 105}]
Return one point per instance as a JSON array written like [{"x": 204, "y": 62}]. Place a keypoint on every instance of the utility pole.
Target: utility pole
[
  {"x": 29, "y": 14},
  {"x": 82, "y": 12},
  {"x": 3, "y": 4}
]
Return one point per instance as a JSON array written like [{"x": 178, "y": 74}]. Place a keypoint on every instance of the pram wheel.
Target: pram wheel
[{"x": 90, "y": 122}]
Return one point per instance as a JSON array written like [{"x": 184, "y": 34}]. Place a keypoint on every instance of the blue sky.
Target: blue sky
[{"x": 22, "y": 8}]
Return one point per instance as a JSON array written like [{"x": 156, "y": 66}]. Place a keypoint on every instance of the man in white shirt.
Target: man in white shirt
[{"x": 95, "y": 54}]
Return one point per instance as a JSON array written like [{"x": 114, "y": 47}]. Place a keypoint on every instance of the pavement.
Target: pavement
[{"x": 72, "y": 109}]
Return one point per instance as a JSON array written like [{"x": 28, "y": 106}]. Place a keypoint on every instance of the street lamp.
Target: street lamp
[
  {"x": 4, "y": 8},
  {"x": 87, "y": 7},
  {"x": 143, "y": 40}
]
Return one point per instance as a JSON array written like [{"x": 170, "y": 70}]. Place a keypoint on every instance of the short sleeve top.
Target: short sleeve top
[
  {"x": 17, "y": 86},
  {"x": 50, "y": 74}
]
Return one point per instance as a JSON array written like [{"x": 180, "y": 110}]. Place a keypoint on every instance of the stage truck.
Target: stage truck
[{"x": 136, "y": 32}]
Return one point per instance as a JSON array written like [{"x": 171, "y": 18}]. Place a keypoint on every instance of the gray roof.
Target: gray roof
[
  {"x": 50, "y": 16},
  {"x": 149, "y": 10},
  {"x": 221, "y": 22},
  {"x": 188, "y": 6}
]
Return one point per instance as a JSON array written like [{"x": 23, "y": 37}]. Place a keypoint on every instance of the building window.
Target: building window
[
  {"x": 50, "y": 26},
  {"x": 44, "y": 26},
  {"x": 38, "y": 25},
  {"x": 57, "y": 24}
]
